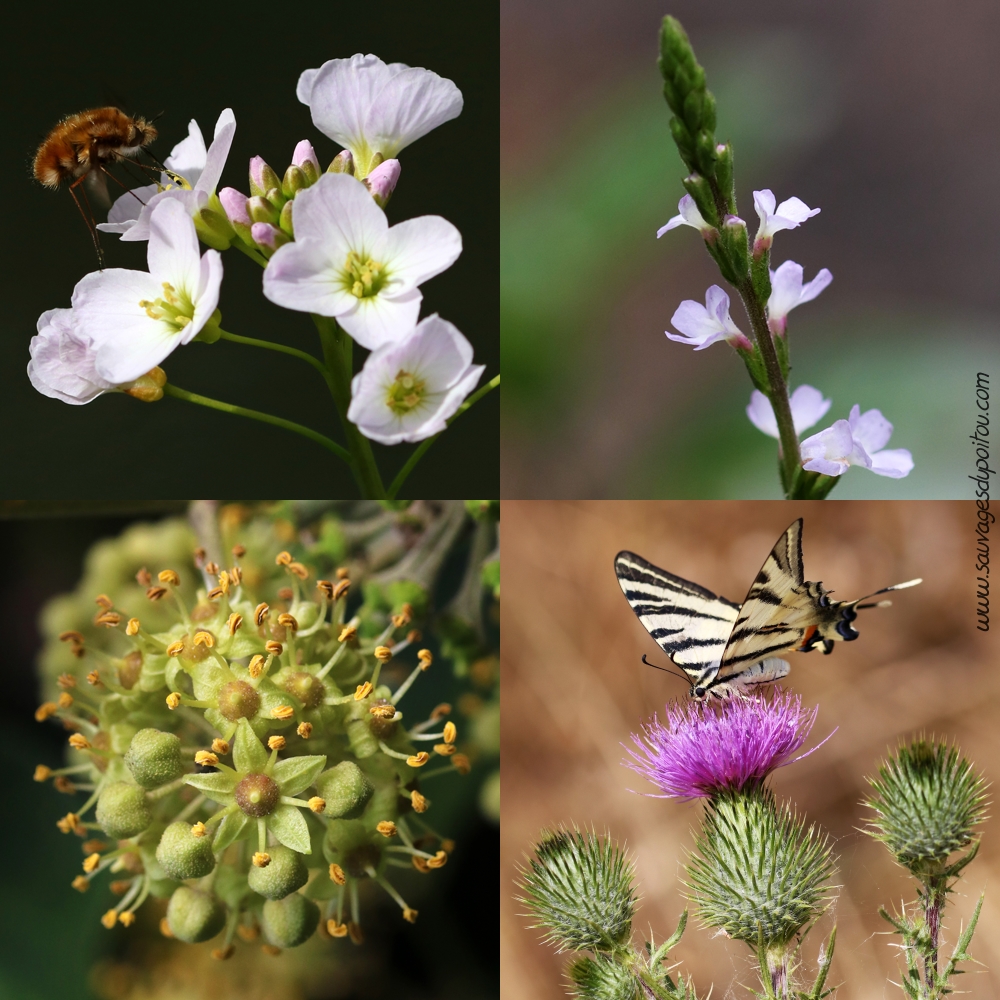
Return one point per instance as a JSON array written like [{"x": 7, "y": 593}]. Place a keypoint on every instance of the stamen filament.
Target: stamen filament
[{"x": 405, "y": 686}]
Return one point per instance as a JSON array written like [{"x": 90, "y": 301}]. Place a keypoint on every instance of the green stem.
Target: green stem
[
  {"x": 272, "y": 346},
  {"x": 791, "y": 461},
  {"x": 241, "y": 411},
  {"x": 254, "y": 255},
  {"x": 337, "y": 351},
  {"x": 418, "y": 452}
]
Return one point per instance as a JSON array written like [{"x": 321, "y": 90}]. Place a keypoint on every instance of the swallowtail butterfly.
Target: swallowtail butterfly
[{"x": 726, "y": 648}]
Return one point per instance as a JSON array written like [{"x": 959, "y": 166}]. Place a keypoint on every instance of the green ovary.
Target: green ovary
[
  {"x": 406, "y": 393},
  {"x": 364, "y": 278}
]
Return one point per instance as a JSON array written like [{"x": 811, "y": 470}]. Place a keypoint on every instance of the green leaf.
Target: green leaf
[
  {"x": 218, "y": 786},
  {"x": 289, "y": 825},
  {"x": 207, "y": 678},
  {"x": 297, "y": 773},
  {"x": 230, "y": 829},
  {"x": 249, "y": 754}
]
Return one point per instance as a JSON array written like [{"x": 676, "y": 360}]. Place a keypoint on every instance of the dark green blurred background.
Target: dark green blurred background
[
  {"x": 194, "y": 61},
  {"x": 51, "y": 936},
  {"x": 883, "y": 115}
]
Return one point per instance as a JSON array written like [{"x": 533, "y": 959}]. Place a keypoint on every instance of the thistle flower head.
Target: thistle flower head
[
  {"x": 601, "y": 979},
  {"x": 700, "y": 751},
  {"x": 759, "y": 873},
  {"x": 927, "y": 799},
  {"x": 581, "y": 889}
]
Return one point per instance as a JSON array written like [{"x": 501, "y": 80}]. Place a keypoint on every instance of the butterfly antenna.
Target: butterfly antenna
[
  {"x": 666, "y": 670},
  {"x": 885, "y": 590}
]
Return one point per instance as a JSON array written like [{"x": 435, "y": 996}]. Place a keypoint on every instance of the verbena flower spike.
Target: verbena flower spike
[
  {"x": 326, "y": 247},
  {"x": 812, "y": 469},
  {"x": 927, "y": 801}
]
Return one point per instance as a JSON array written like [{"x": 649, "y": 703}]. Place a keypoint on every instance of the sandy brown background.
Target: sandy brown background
[{"x": 574, "y": 689}]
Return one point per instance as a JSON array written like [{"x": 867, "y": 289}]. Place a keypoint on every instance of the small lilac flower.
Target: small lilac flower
[
  {"x": 808, "y": 408},
  {"x": 702, "y": 751},
  {"x": 789, "y": 214},
  {"x": 702, "y": 325},
  {"x": 787, "y": 292},
  {"x": 856, "y": 441},
  {"x": 689, "y": 216}
]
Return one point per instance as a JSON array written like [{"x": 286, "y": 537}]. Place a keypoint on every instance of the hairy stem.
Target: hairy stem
[{"x": 933, "y": 905}]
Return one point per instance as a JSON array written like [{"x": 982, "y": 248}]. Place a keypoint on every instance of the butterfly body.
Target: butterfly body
[{"x": 726, "y": 648}]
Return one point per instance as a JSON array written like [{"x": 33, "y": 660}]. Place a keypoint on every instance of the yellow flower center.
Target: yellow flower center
[
  {"x": 364, "y": 277},
  {"x": 172, "y": 308},
  {"x": 406, "y": 393}
]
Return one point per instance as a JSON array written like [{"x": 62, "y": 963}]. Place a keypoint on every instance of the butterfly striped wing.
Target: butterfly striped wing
[{"x": 689, "y": 623}]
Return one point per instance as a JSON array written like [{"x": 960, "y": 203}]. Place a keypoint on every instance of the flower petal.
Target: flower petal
[
  {"x": 380, "y": 319},
  {"x": 895, "y": 463},
  {"x": 218, "y": 152},
  {"x": 302, "y": 276},
  {"x": 126, "y": 210},
  {"x": 62, "y": 364},
  {"x": 188, "y": 157},
  {"x": 289, "y": 828},
  {"x": 217, "y": 785},
  {"x": 870, "y": 429},
  {"x": 295, "y": 774},
  {"x": 808, "y": 407},
  {"x": 417, "y": 249},
  {"x": 249, "y": 755},
  {"x": 230, "y": 829},
  {"x": 761, "y": 414}
]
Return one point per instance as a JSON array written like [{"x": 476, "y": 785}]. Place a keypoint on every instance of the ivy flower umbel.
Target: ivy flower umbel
[{"x": 702, "y": 752}]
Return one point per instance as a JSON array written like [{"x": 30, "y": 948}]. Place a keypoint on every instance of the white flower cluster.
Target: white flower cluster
[{"x": 335, "y": 255}]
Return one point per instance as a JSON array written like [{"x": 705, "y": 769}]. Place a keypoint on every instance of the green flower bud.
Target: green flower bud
[
  {"x": 582, "y": 891},
  {"x": 154, "y": 758},
  {"x": 290, "y": 921},
  {"x": 285, "y": 219},
  {"x": 122, "y": 810},
  {"x": 194, "y": 916},
  {"x": 926, "y": 800},
  {"x": 238, "y": 700},
  {"x": 346, "y": 790},
  {"x": 285, "y": 873},
  {"x": 759, "y": 874},
  {"x": 603, "y": 980},
  {"x": 261, "y": 210},
  {"x": 349, "y": 844},
  {"x": 293, "y": 181},
  {"x": 342, "y": 163},
  {"x": 182, "y": 855}
]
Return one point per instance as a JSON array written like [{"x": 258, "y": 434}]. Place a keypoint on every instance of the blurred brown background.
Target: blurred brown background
[
  {"x": 881, "y": 114},
  {"x": 575, "y": 689}
]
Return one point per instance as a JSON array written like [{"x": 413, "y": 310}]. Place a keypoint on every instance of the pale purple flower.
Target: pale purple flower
[
  {"x": 370, "y": 107},
  {"x": 381, "y": 182},
  {"x": 807, "y": 404},
  {"x": 688, "y": 216},
  {"x": 703, "y": 325},
  {"x": 701, "y": 751},
  {"x": 62, "y": 360},
  {"x": 787, "y": 292},
  {"x": 856, "y": 441},
  {"x": 790, "y": 214},
  {"x": 304, "y": 157}
]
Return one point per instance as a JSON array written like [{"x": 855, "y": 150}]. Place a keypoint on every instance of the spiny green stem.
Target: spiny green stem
[
  {"x": 419, "y": 452},
  {"x": 241, "y": 411},
  {"x": 272, "y": 346}
]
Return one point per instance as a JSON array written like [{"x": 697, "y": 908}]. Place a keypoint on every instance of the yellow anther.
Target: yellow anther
[
  {"x": 347, "y": 632},
  {"x": 316, "y": 804},
  {"x": 221, "y": 954},
  {"x": 212, "y": 568},
  {"x": 168, "y": 576},
  {"x": 418, "y": 760},
  {"x": 260, "y": 614},
  {"x": 288, "y": 621},
  {"x": 45, "y": 711},
  {"x": 89, "y": 846},
  {"x": 42, "y": 773},
  {"x": 409, "y": 914},
  {"x": 248, "y": 932},
  {"x": 282, "y": 712},
  {"x": 224, "y": 582},
  {"x": 282, "y": 559},
  {"x": 236, "y": 576},
  {"x": 420, "y": 864},
  {"x": 120, "y": 886},
  {"x": 65, "y": 699},
  {"x": 214, "y": 594},
  {"x": 387, "y": 828},
  {"x": 94, "y": 678},
  {"x": 383, "y": 653},
  {"x": 337, "y": 874},
  {"x": 336, "y": 930},
  {"x": 304, "y": 729},
  {"x": 276, "y": 743},
  {"x": 173, "y": 700},
  {"x": 71, "y": 636},
  {"x": 343, "y": 586},
  {"x": 363, "y": 691},
  {"x": 204, "y": 639},
  {"x": 199, "y": 829},
  {"x": 110, "y": 919},
  {"x": 342, "y": 573},
  {"x": 175, "y": 648},
  {"x": 132, "y": 627},
  {"x": 126, "y": 919},
  {"x": 274, "y": 648},
  {"x": 444, "y": 749},
  {"x": 79, "y": 742},
  {"x": 165, "y": 928},
  {"x": 70, "y": 823},
  {"x": 234, "y": 623},
  {"x": 91, "y": 862},
  {"x": 461, "y": 763},
  {"x": 104, "y": 601},
  {"x": 80, "y": 883},
  {"x": 425, "y": 658},
  {"x": 261, "y": 859},
  {"x": 326, "y": 588},
  {"x": 418, "y": 802},
  {"x": 450, "y": 732},
  {"x": 66, "y": 681},
  {"x": 256, "y": 666},
  {"x": 220, "y": 746},
  {"x": 206, "y": 759},
  {"x": 439, "y": 860},
  {"x": 155, "y": 593},
  {"x": 64, "y": 785},
  {"x": 298, "y": 570},
  {"x": 383, "y": 711},
  {"x": 109, "y": 619},
  {"x": 270, "y": 949}
]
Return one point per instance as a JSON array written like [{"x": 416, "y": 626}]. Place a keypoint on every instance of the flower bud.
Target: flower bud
[
  {"x": 148, "y": 388},
  {"x": 235, "y": 204},
  {"x": 306, "y": 160},
  {"x": 289, "y": 922},
  {"x": 285, "y": 873},
  {"x": 285, "y": 219},
  {"x": 262, "y": 177},
  {"x": 276, "y": 198},
  {"x": 238, "y": 700},
  {"x": 268, "y": 236},
  {"x": 261, "y": 210},
  {"x": 194, "y": 916},
  {"x": 122, "y": 810},
  {"x": 293, "y": 181},
  {"x": 212, "y": 225},
  {"x": 182, "y": 855},
  {"x": 346, "y": 790},
  {"x": 342, "y": 163},
  {"x": 603, "y": 979},
  {"x": 381, "y": 182},
  {"x": 154, "y": 758}
]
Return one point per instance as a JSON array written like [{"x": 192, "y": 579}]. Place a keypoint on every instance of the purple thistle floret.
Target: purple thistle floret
[{"x": 701, "y": 751}]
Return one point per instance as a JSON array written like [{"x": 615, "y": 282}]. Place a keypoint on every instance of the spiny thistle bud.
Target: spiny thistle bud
[
  {"x": 581, "y": 890},
  {"x": 183, "y": 854},
  {"x": 285, "y": 873},
  {"x": 123, "y": 810},
  {"x": 927, "y": 800},
  {"x": 154, "y": 758},
  {"x": 289, "y": 922},
  {"x": 194, "y": 916},
  {"x": 602, "y": 979},
  {"x": 759, "y": 873},
  {"x": 346, "y": 790}
]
